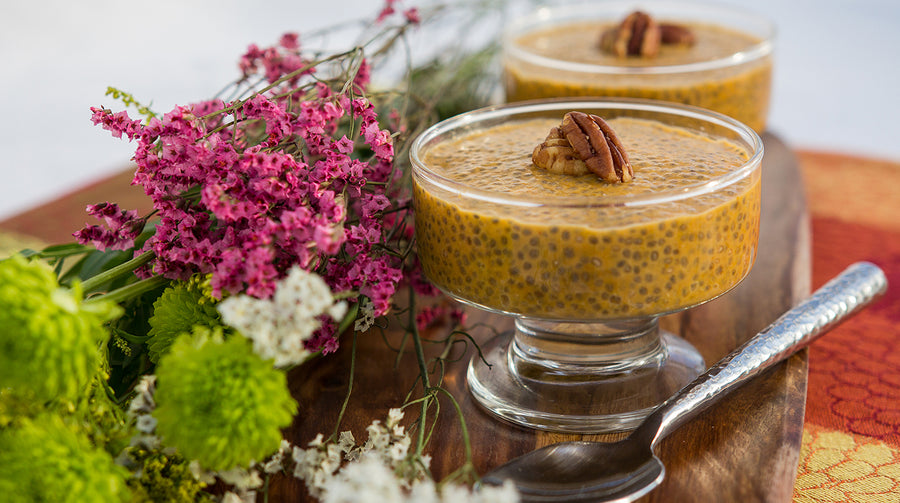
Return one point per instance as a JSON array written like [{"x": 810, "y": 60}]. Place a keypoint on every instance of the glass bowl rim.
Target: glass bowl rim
[
  {"x": 566, "y": 11},
  {"x": 746, "y": 134}
]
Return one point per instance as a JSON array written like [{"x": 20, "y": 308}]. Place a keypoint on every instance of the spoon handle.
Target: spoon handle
[{"x": 841, "y": 297}]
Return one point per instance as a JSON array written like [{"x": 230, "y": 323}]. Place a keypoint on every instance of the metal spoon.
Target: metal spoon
[{"x": 628, "y": 469}]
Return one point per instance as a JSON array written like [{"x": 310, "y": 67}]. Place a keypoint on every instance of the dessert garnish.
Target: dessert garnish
[
  {"x": 582, "y": 144},
  {"x": 640, "y": 35},
  {"x": 675, "y": 34}
]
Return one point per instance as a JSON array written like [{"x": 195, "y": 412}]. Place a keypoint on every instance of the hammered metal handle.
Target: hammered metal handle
[{"x": 849, "y": 292}]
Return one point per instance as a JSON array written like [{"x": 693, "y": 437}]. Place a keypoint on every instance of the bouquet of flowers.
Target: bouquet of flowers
[{"x": 148, "y": 361}]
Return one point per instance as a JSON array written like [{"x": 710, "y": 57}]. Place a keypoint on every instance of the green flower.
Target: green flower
[
  {"x": 220, "y": 403},
  {"x": 49, "y": 339},
  {"x": 175, "y": 312},
  {"x": 166, "y": 477},
  {"x": 43, "y": 460}
]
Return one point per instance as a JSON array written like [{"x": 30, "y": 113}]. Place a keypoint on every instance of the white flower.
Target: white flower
[
  {"x": 276, "y": 463},
  {"x": 230, "y": 497},
  {"x": 241, "y": 478},
  {"x": 146, "y": 423},
  {"x": 149, "y": 442},
  {"x": 140, "y": 409},
  {"x": 366, "y": 317},
  {"x": 380, "y": 471},
  {"x": 203, "y": 475},
  {"x": 399, "y": 449},
  {"x": 346, "y": 441},
  {"x": 143, "y": 401},
  {"x": 245, "y": 497},
  {"x": 394, "y": 417},
  {"x": 279, "y": 326},
  {"x": 370, "y": 480},
  {"x": 366, "y": 480},
  {"x": 379, "y": 437},
  {"x": 455, "y": 493},
  {"x": 424, "y": 491},
  {"x": 317, "y": 464}
]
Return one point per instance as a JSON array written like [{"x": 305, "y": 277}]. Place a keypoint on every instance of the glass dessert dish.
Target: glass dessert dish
[
  {"x": 712, "y": 56},
  {"x": 586, "y": 267}
]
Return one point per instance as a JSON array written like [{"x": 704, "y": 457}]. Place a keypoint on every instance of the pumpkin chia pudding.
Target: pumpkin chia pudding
[
  {"x": 707, "y": 56},
  {"x": 498, "y": 231}
]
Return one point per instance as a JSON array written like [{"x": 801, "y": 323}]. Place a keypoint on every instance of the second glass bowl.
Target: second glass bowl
[{"x": 554, "y": 52}]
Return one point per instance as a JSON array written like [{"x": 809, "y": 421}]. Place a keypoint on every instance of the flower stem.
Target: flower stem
[
  {"x": 337, "y": 426},
  {"x": 131, "y": 290},
  {"x": 104, "y": 277},
  {"x": 467, "y": 443},
  {"x": 423, "y": 371}
]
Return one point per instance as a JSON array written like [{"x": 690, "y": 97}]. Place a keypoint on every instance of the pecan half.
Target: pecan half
[
  {"x": 556, "y": 155},
  {"x": 637, "y": 35},
  {"x": 675, "y": 34},
  {"x": 640, "y": 35},
  {"x": 581, "y": 144}
]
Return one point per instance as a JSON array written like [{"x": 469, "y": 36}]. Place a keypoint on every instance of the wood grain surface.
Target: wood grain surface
[{"x": 744, "y": 449}]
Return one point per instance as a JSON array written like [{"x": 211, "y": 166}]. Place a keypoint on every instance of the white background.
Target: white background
[{"x": 836, "y": 88}]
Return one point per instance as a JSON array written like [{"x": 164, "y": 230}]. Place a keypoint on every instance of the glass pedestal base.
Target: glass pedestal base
[{"x": 581, "y": 377}]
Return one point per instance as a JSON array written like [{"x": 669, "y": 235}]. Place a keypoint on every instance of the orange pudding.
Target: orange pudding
[
  {"x": 728, "y": 69},
  {"x": 494, "y": 230}
]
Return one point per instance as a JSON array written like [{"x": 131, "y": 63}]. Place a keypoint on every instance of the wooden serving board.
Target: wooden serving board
[{"x": 744, "y": 449}]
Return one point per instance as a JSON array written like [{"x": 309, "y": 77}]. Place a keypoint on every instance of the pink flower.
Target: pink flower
[
  {"x": 386, "y": 11},
  {"x": 117, "y": 123},
  {"x": 412, "y": 15},
  {"x": 432, "y": 315},
  {"x": 290, "y": 41},
  {"x": 363, "y": 76},
  {"x": 122, "y": 228},
  {"x": 276, "y": 61}
]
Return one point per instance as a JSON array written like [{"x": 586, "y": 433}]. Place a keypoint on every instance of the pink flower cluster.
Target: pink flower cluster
[
  {"x": 411, "y": 15},
  {"x": 245, "y": 190},
  {"x": 276, "y": 61},
  {"x": 432, "y": 315},
  {"x": 121, "y": 227}
]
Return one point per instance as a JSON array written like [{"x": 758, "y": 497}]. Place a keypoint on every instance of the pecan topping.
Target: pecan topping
[
  {"x": 675, "y": 34},
  {"x": 584, "y": 144},
  {"x": 640, "y": 35},
  {"x": 556, "y": 154},
  {"x": 637, "y": 35}
]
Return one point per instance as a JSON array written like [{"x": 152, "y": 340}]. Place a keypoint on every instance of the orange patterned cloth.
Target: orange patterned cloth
[{"x": 851, "y": 439}]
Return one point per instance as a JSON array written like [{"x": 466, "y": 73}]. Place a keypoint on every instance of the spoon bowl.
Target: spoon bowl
[
  {"x": 584, "y": 471},
  {"x": 628, "y": 469}
]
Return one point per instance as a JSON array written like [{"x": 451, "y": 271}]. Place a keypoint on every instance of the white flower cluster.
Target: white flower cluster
[
  {"x": 377, "y": 471},
  {"x": 244, "y": 483},
  {"x": 279, "y": 326},
  {"x": 370, "y": 480},
  {"x": 140, "y": 409},
  {"x": 389, "y": 443},
  {"x": 316, "y": 465}
]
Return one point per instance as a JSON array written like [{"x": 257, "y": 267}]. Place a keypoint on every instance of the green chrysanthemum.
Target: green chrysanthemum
[
  {"x": 220, "y": 403},
  {"x": 49, "y": 340},
  {"x": 175, "y": 312},
  {"x": 43, "y": 460}
]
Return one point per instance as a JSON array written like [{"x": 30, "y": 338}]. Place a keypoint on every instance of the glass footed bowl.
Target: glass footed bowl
[
  {"x": 586, "y": 268},
  {"x": 553, "y": 52}
]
